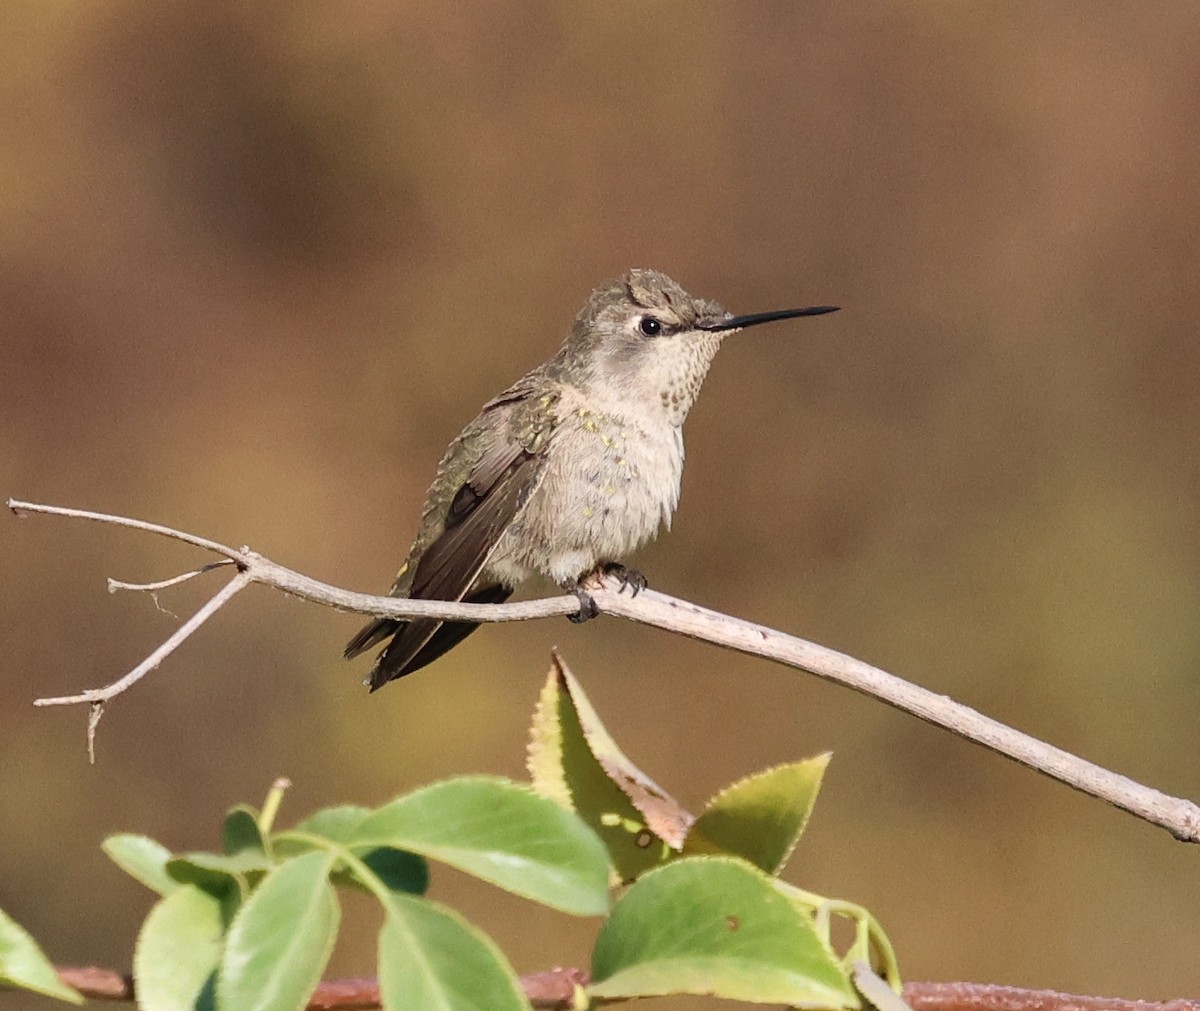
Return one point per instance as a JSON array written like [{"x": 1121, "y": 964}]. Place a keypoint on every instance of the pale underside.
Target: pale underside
[{"x": 602, "y": 492}]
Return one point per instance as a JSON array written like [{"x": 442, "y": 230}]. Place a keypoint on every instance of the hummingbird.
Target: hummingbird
[{"x": 568, "y": 470}]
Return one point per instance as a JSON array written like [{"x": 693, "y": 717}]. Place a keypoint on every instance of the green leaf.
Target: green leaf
[
  {"x": 761, "y": 817},
  {"x": 280, "y": 940},
  {"x": 222, "y": 875},
  {"x": 574, "y": 761},
  {"x": 550, "y": 741},
  {"x": 178, "y": 951},
  {"x": 335, "y": 823},
  {"x": 23, "y": 965},
  {"x": 715, "y": 925},
  {"x": 142, "y": 858},
  {"x": 397, "y": 870},
  {"x": 189, "y": 866},
  {"x": 430, "y": 957},
  {"x": 240, "y": 831},
  {"x": 500, "y": 832}
]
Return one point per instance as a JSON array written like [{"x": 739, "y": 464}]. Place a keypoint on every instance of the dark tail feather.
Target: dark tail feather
[
  {"x": 369, "y": 634},
  {"x": 418, "y": 642}
]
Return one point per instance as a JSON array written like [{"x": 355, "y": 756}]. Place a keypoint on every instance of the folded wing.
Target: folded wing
[{"x": 450, "y": 566}]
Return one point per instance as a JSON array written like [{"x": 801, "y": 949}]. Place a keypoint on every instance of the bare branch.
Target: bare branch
[
  {"x": 556, "y": 988},
  {"x": 116, "y": 584},
  {"x": 20, "y": 508},
  {"x": 1180, "y": 817},
  {"x": 552, "y": 988},
  {"x": 269, "y": 573},
  {"x": 94, "y": 714},
  {"x": 98, "y": 696},
  {"x": 992, "y": 997}
]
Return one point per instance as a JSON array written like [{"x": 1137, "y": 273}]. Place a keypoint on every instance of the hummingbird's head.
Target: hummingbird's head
[{"x": 644, "y": 338}]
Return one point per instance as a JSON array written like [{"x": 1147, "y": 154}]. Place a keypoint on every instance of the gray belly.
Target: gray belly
[{"x": 606, "y": 488}]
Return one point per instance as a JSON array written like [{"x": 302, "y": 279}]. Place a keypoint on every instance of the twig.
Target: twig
[
  {"x": 116, "y": 584},
  {"x": 269, "y": 573},
  {"x": 1179, "y": 816},
  {"x": 991, "y": 997},
  {"x": 556, "y": 988},
  {"x": 97, "y": 697},
  {"x": 553, "y": 988},
  {"x": 20, "y": 508},
  {"x": 162, "y": 584}
]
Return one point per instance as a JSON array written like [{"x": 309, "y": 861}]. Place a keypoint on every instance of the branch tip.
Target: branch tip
[{"x": 116, "y": 584}]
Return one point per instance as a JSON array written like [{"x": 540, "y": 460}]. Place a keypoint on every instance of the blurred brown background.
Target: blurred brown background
[{"x": 258, "y": 263}]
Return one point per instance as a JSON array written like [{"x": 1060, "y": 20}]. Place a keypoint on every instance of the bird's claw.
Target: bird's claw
[
  {"x": 625, "y": 577},
  {"x": 588, "y": 607}
]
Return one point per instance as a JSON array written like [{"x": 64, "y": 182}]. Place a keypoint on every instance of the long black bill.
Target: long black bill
[{"x": 754, "y": 318}]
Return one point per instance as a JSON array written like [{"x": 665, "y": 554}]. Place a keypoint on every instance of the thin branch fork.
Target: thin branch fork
[{"x": 1177, "y": 815}]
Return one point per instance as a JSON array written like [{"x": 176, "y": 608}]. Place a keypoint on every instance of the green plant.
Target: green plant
[{"x": 701, "y": 908}]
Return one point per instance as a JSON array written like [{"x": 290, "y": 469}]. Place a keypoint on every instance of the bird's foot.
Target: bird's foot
[
  {"x": 625, "y": 577},
  {"x": 588, "y": 608}
]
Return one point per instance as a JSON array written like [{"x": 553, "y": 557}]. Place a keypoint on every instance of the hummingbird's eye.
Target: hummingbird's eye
[{"x": 650, "y": 326}]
